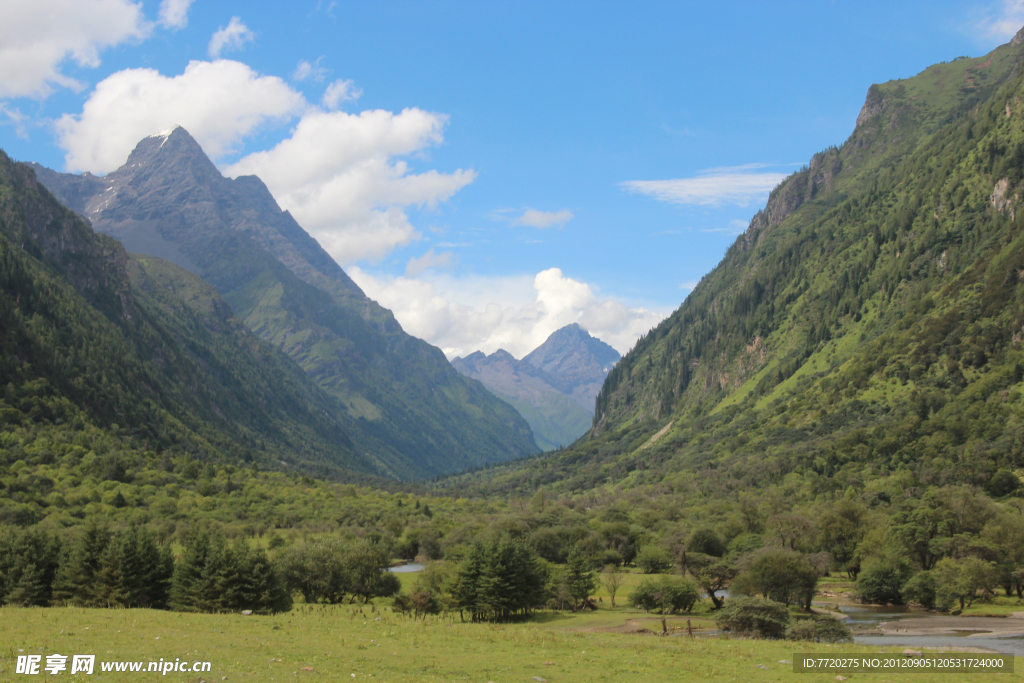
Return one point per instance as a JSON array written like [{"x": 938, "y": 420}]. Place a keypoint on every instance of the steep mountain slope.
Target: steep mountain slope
[
  {"x": 142, "y": 349},
  {"x": 553, "y": 387},
  {"x": 868, "y": 324},
  {"x": 413, "y": 413}
]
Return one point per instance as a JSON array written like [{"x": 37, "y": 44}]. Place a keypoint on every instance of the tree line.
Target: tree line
[{"x": 129, "y": 568}]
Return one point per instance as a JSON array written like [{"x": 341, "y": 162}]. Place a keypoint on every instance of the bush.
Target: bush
[
  {"x": 881, "y": 581},
  {"x": 665, "y": 595},
  {"x": 962, "y": 580},
  {"x": 820, "y": 629},
  {"x": 1003, "y": 483},
  {"x": 424, "y": 602},
  {"x": 920, "y": 589},
  {"x": 753, "y": 617},
  {"x": 780, "y": 575},
  {"x": 653, "y": 559},
  {"x": 707, "y": 541},
  {"x": 401, "y": 604}
]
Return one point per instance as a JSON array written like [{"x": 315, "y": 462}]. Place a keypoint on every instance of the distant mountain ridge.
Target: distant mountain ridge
[
  {"x": 414, "y": 416},
  {"x": 553, "y": 387}
]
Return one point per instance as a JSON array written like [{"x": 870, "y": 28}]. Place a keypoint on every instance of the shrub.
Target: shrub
[
  {"x": 881, "y": 581},
  {"x": 779, "y": 575},
  {"x": 665, "y": 595},
  {"x": 754, "y": 617},
  {"x": 653, "y": 559},
  {"x": 1003, "y": 483},
  {"x": 401, "y": 604},
  {"x": 424, "y": 602},
  {"x": 707, "y": 541},
  {"x": 962, "y": 580},
  {"x": 920, "y": 589},
  {"x": 820, "y": 629}
]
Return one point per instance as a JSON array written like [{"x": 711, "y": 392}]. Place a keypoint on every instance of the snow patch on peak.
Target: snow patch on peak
[{"x": 165, "y": 133}]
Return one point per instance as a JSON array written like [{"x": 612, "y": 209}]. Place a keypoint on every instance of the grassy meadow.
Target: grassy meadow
[{"x": 342, "y": 642}]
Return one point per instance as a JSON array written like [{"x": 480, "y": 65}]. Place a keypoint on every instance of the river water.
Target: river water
[{"x": 864, "y": 617}]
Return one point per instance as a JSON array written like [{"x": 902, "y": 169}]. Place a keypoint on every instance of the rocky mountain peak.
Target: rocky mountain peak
[
  {"x": 554, "y": 387},
  {"x": 169, "y": 151},
  {"x": 572, "y": 354}
]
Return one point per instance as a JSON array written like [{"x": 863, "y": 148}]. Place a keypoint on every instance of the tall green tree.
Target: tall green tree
[{"x": 579, "y": 577}]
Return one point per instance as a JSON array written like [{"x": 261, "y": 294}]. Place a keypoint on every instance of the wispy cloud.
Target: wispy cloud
[
  {"x": 340, "y": 91},
  {"x": 544, "y": 219},
  {"x": 733, "y": 227},
  {"x": 174, "y": 13},
  {"x": 311, "y": 71},
  {"x": 737, "y": 185},
  {"x": 688, "y": 286},
  {"x": 234, "y": 36},
  {"x": 1003, "y": 22},
  {"x": 445, "y": 259},
  {"x": 14, "y": 118}
]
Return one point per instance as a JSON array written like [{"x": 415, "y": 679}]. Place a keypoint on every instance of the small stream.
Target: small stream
[{"x": 868, "y": 617}]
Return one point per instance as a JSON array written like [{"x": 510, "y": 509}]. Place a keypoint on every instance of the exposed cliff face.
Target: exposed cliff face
[{"x": 418, "y": 416}]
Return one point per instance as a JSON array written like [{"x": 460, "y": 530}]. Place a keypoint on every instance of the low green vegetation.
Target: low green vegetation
[{"x": 335, "y": 642}]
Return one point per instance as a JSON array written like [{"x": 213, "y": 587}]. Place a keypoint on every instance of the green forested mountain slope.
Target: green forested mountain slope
[
  {"x": 867, "y": 324},
  {"x": 409, "y": 409},
  {"x": 141, "y": 349}
]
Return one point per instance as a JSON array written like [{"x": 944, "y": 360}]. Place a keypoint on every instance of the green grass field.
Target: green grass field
[{"x": 334, "y": 643}]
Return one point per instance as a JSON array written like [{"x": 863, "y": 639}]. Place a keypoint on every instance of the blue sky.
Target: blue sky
[{"x": 490, "y": 171}]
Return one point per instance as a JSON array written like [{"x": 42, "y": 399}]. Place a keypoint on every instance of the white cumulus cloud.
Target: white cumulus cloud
[
  {"x": 543, "y": 219},
  {"x": 219, "y": 103},
  {"x": 234, "y": 36},
  {"x": 478, "y": 313},
  {"x": 174, "y": 13},
  {"x": 344, "y": 179},
  {"x": 737, "y": 185},
  {"x": 38, "y": 36}
]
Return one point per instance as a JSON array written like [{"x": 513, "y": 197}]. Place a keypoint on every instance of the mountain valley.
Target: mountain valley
[{"x": 554, "y": 386}]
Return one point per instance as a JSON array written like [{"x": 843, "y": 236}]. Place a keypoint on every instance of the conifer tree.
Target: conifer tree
[
  {"x": 578, "y": 577},
  {"x": 31, "y": 589},
  {"x": 80, "y": 563}
]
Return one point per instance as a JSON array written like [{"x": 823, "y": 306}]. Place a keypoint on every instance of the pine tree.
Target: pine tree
[
  {"x": 466, "y": 589},
  {"x": 189, "y": 587},
  {"x": 267, "y": 592},
  {"x": 578, "y": 577},
  {"x": 80, "y": 563}
]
